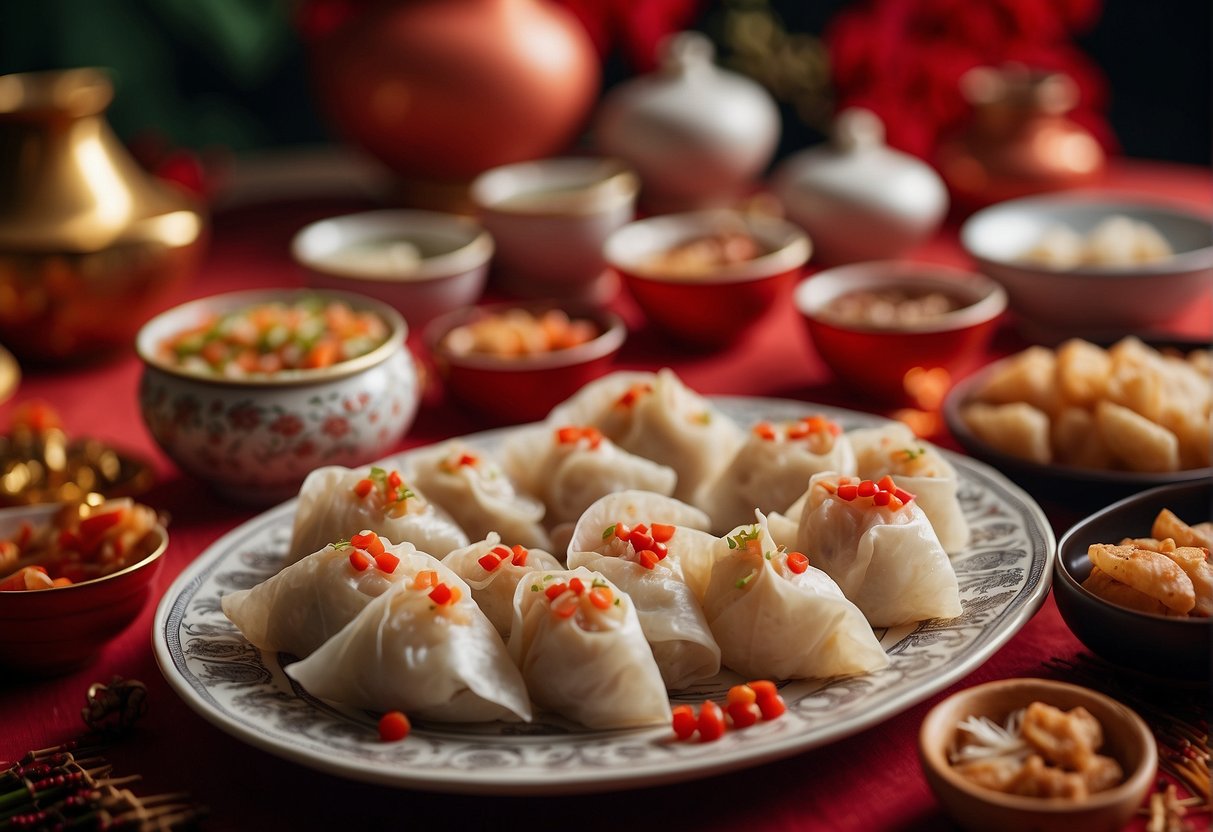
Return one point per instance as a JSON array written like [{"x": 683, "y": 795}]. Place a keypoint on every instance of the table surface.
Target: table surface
[{"x": 868, "y": 781}]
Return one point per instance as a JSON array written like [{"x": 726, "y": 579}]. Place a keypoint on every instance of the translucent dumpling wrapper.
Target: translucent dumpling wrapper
[
  {"x": 669, "y": 613},
  {"x": 919, "y": 468},
  {"x": 569, "y": 467},
  {"x": 493, "y": 570},
  {"x": 658, "y": 417},
  {"x": 689, "y": 552},
  {"x": 775, "y": 616},
  {"x": 336, "y": 503},
  {"x": 306, "y": 603},
  {"x": 424, "y": 648},
  {"x": 583, "y": 654},
  {"x": 885, "y": 558},
  {"x": 772, "y": 469},
  {"x": 478, "y": 494}
]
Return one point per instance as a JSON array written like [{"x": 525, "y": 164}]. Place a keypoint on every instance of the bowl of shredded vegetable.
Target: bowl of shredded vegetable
[
  {"x": 72, "y": 577},
  {"x": 250, "y": 391}
]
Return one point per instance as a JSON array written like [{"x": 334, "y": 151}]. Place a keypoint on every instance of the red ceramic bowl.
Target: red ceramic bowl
[
  {"x": 880, "y": 360},
  {"x": 717, "y": 307},
  {"x": 53, "y": 631},
  {"x": 514, "y": 390}
]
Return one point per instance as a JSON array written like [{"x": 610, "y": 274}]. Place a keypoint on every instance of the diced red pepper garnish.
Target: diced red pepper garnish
[
  {"x": 685, "y": 721},
  {"x": 641, "y": 527},
  {"x": 662, "y": 532},
  {"x": 577, "y": 586},
  {"x": 711, "y": 723},
  {"x": 359, "y": 560},
  {"x": 387, "y": 562},
  {"x": 741, "y": 694},
  {"x": 660, "y": 550},
  {"x": 623, "y": 531},
  {"x": 555, "y": 590},
  {"x": 441, "y": 594},
  {"x": 647, "y": 558},
  {"x": 368, "y": 540},
  {"x": 394, "y": 480},
  {"x": 797, "y": 562},
  {"x": 799, "y": 430},
  {"x": 633, "y": 393},
  {"x": 519, "y": 555},
  {"x": 886, "y": 483},
  {"x": 600, "y": 597},
  {"x": 772, "y": 706},
  {"x": 765, "y": 430},
  {"x": 364, "y": 487},
  {"x": 568, "y": 434},
  {"x": 425, "y": 579},
  {"x": 394, "y": 726},
  {"x": 895, "y": 503},
  {"x": 743, "y": 715},
  {"x": 848, "y": 492},
  {"x": 762, "y": 688},
  {"x": 489, "y": 561},
  {"x": 866, "y": 488},
  {"x": 641, "y": 540},
  {"x": 881, "y": 498},
  {"x": 903, "y": 495}
]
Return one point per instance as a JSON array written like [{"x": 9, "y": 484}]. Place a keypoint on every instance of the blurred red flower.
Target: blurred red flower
[{"x": 903, "y": 59}]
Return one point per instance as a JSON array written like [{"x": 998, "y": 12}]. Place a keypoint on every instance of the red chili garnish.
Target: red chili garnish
[
  {"x": 711, "y": 723},
  {"x": 848, "y": 492},
  {"x": 489, "y": 561},
  {"x": 394, "y": 726},
  {"x": 468, "y": 459},
  {"x": 359, "y": 560},
  {"x": 555, "y": 590},
  {"x": 387, "y": 562},
  {"x": 797, "y": 562},
  {"x": 441, "y": 594},
  {"x": 866, "y": 488},
  {"x": 662, "y": 532},
  {"x": 364, "y": 487},
  {"x": 519, "y": 555},
  {"x": 684, "y": 721}
]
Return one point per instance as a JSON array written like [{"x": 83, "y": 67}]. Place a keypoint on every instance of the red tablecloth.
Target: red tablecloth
[{"x": 869, "y": 781}]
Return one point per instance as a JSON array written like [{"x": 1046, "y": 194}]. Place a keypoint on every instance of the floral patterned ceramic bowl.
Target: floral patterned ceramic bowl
[{"x": 256, "y": 437}]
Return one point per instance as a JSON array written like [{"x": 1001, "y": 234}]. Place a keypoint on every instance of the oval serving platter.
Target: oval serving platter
[{"x": 1004, "y": 577}]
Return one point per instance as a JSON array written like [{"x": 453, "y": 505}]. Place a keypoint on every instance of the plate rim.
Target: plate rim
[{"x": 501, "y": 781}]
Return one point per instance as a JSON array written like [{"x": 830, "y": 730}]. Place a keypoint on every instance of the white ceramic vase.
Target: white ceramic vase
[
  {"x": 858, "y": 198},
  {"x": 697, "y": 134}
]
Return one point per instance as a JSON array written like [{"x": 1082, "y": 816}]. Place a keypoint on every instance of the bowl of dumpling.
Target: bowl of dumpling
[
  {"x": 1134, "y": 583},
  {"x": 1036, "y": 754},
  {"x": 706, "y": 278},
  {"x": 250, "y": 391},
  {"x": 1092, "y": 263}
]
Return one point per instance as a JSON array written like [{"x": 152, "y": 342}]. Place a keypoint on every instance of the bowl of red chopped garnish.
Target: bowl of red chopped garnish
[
  {"x": 72, "y": 577},
  {"x": 250, "y": 391},
  {"x": 515, "y": 362}
]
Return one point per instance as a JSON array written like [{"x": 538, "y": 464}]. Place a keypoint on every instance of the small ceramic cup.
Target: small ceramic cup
[
  {"x": 550, "y": 219},
  {"x": 254, "y": 439}
]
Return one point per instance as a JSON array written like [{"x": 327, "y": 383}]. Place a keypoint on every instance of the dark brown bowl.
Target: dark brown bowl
[{"x": 1171, "y": 647}]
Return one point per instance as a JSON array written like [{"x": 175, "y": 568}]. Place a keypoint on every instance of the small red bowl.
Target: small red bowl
[
  {"x": 523, "y": 389},
  {"x": 717, "y": 307},
  {"x": 881, "y": 361},
  {"x": 52, "y": 631}
]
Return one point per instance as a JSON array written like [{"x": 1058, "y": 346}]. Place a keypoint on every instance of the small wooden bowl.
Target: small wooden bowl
[{"x": 1127, "y": 739}]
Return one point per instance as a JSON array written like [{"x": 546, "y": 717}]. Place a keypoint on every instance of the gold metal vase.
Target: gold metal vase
[{"x": 91, "y": 245}]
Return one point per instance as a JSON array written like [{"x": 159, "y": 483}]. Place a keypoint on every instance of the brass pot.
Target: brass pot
[{"x": 91, "y": 245}]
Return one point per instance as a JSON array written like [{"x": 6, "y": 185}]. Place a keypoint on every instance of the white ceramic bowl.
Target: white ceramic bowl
[
  {"x": 1091, "y": 300},
  {"x": 451, "y": 273},
  {"x": 550, "y": 219},
  {"x": 255, "y": 439}
]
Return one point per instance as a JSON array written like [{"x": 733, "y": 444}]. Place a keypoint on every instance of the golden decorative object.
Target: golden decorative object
[
  {"x": 91, "y": 245},
  {"x": 10, "y": 375}
]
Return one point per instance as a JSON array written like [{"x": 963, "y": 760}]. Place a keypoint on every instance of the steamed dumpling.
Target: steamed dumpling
[
  {"x": 689, "y": 553},
  {"x": 493, "y": 571},
  {"x": 302, "y": 606},
  {"x": 422, "y": 647},
  {"x": 775, "y": 615},
  {"x": 478, "y": 494},
  {"x": 582, "y": 652},
  {"x": 570, "y": 467},
  {"x": 919, "y": 468},
  {"x": 879, "y": 547},
  {"x": 658, "y": 417},
  {"x": 772, "y": 469},
  {"x": 336, "y": 502}
]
